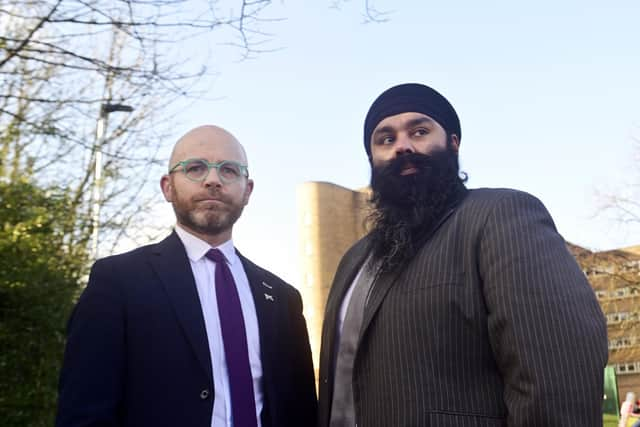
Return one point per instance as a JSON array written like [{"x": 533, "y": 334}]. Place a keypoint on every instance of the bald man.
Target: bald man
[{"x": 188, "y": 332}]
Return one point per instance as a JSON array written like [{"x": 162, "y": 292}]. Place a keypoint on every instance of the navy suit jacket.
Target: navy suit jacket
[{"x": 137, "y": 352}]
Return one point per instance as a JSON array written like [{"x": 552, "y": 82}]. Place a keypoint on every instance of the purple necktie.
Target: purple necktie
[{"x": 234, "y": 336}]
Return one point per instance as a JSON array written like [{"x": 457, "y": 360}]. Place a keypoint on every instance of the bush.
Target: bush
[{"x": 40, "y": 272}]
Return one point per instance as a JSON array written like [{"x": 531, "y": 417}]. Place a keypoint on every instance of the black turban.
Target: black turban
[{"x": 410, "y": 97}]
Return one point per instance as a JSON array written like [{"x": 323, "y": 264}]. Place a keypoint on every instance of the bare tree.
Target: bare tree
[
  {"x": 370, "y": 13},
  {"x": 615, "y": 274},
  {"x": 60, "y": 60},
  {"x": 623, "y": 205}
]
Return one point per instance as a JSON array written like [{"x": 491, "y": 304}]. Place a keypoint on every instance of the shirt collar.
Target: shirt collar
[{"x": 197, "y": 248}]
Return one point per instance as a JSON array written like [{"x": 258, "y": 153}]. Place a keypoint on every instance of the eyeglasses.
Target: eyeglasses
[{"x": 198, "y": 170}]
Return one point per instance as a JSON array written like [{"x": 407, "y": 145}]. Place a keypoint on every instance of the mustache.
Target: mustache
[
  {"x": 424, "y": 163},
  {"x": 213, "y": 194},
  {"x": 390, "y": 187}
]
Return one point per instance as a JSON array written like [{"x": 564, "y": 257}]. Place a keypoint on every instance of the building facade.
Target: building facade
[{"x": 615, "y": 278}]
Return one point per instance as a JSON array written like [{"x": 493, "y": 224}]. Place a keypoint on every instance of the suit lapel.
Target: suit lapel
[
  {"x": 268, "y": 301},
  {"x": 384, "y": 282},
  {"x": 170, "y": 262},
  {"x": 347, "y": 271},
  {"x": 344, "y": 277}
]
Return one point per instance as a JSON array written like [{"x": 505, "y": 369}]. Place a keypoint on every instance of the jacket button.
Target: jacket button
[{"x": 204, "y": 394}]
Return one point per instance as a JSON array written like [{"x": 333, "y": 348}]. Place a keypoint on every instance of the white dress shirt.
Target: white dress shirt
[{"x": 204, "y": 274}]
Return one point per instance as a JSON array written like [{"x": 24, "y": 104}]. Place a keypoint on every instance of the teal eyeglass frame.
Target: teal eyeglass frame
[{"x": 244, "y": 170}]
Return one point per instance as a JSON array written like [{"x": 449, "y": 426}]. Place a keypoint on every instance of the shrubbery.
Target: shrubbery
[{"x": 40, "y": 275}]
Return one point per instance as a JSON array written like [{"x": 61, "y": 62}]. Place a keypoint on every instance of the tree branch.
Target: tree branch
[{"x": 12, "y": 52}]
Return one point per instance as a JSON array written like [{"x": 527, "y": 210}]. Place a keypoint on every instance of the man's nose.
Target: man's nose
[
  {"x": 404, "y": 145},
  {"x": 212, "y": 179}
]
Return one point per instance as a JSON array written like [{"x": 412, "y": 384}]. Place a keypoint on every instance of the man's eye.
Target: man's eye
[
  {"x": 384, "y": 140},
  {"x": 230, "y": 170},
  {"x": 421, "y": 132},
  {"x": 195, "y": 167}
]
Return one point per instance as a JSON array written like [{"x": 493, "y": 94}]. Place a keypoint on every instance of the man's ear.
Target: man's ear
[
  {"x": 455, "y": 142},
  {"x": 247, "y": 191},
  {"x": 167, "y": 187}
]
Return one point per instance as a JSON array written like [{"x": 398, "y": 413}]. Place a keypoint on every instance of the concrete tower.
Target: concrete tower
[{"x": 330, "y": 219}]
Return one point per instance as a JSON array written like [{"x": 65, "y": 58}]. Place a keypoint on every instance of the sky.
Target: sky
[{"x": 548, "y": 94}]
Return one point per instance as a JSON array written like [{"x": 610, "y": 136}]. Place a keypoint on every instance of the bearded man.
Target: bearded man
[
  {"x": 460, "y": 307},
  {"x": 188, "y": 332}
]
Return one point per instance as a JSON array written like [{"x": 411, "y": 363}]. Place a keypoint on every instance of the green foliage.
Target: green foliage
[{"x": 40, "y": 272}]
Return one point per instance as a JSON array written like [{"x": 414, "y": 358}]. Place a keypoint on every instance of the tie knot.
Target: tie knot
[{"x": 215, "y": 255}]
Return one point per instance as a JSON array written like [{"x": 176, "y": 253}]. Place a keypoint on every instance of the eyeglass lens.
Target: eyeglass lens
[{"x": 199, "y": 169}]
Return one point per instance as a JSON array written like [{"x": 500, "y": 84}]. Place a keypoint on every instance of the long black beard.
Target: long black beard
[{"x": 406, "y": 208}]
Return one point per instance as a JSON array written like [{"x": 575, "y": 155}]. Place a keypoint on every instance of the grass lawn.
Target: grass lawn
[
  {"x": 612, "y": 421},
  {"x": 609, "y": 421}
]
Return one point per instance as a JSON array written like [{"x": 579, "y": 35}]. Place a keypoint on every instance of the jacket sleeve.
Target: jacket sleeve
[
  {"x": 546, "y": 327},
  {"x": 91, "y": 379}
]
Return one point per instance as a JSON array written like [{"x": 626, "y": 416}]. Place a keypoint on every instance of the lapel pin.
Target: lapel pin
[
  {"x": 267, "y": 286},
  {"x": 268, "y": 297}
]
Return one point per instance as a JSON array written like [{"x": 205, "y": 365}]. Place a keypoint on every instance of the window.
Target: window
[
  {"x": 614, "y": 318},
  {"x": 627, "y": 368},
  {"x": 623, "y": 342}
]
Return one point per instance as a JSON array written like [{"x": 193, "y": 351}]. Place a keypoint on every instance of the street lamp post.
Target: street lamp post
[{"x": 105, "y": 110}]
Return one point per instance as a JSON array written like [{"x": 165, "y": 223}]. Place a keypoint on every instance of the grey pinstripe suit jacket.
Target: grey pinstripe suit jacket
[{"x": 492, "y": 324}]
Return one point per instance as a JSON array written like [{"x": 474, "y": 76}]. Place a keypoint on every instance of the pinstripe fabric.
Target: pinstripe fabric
[{"x": 492, "y": 324}]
